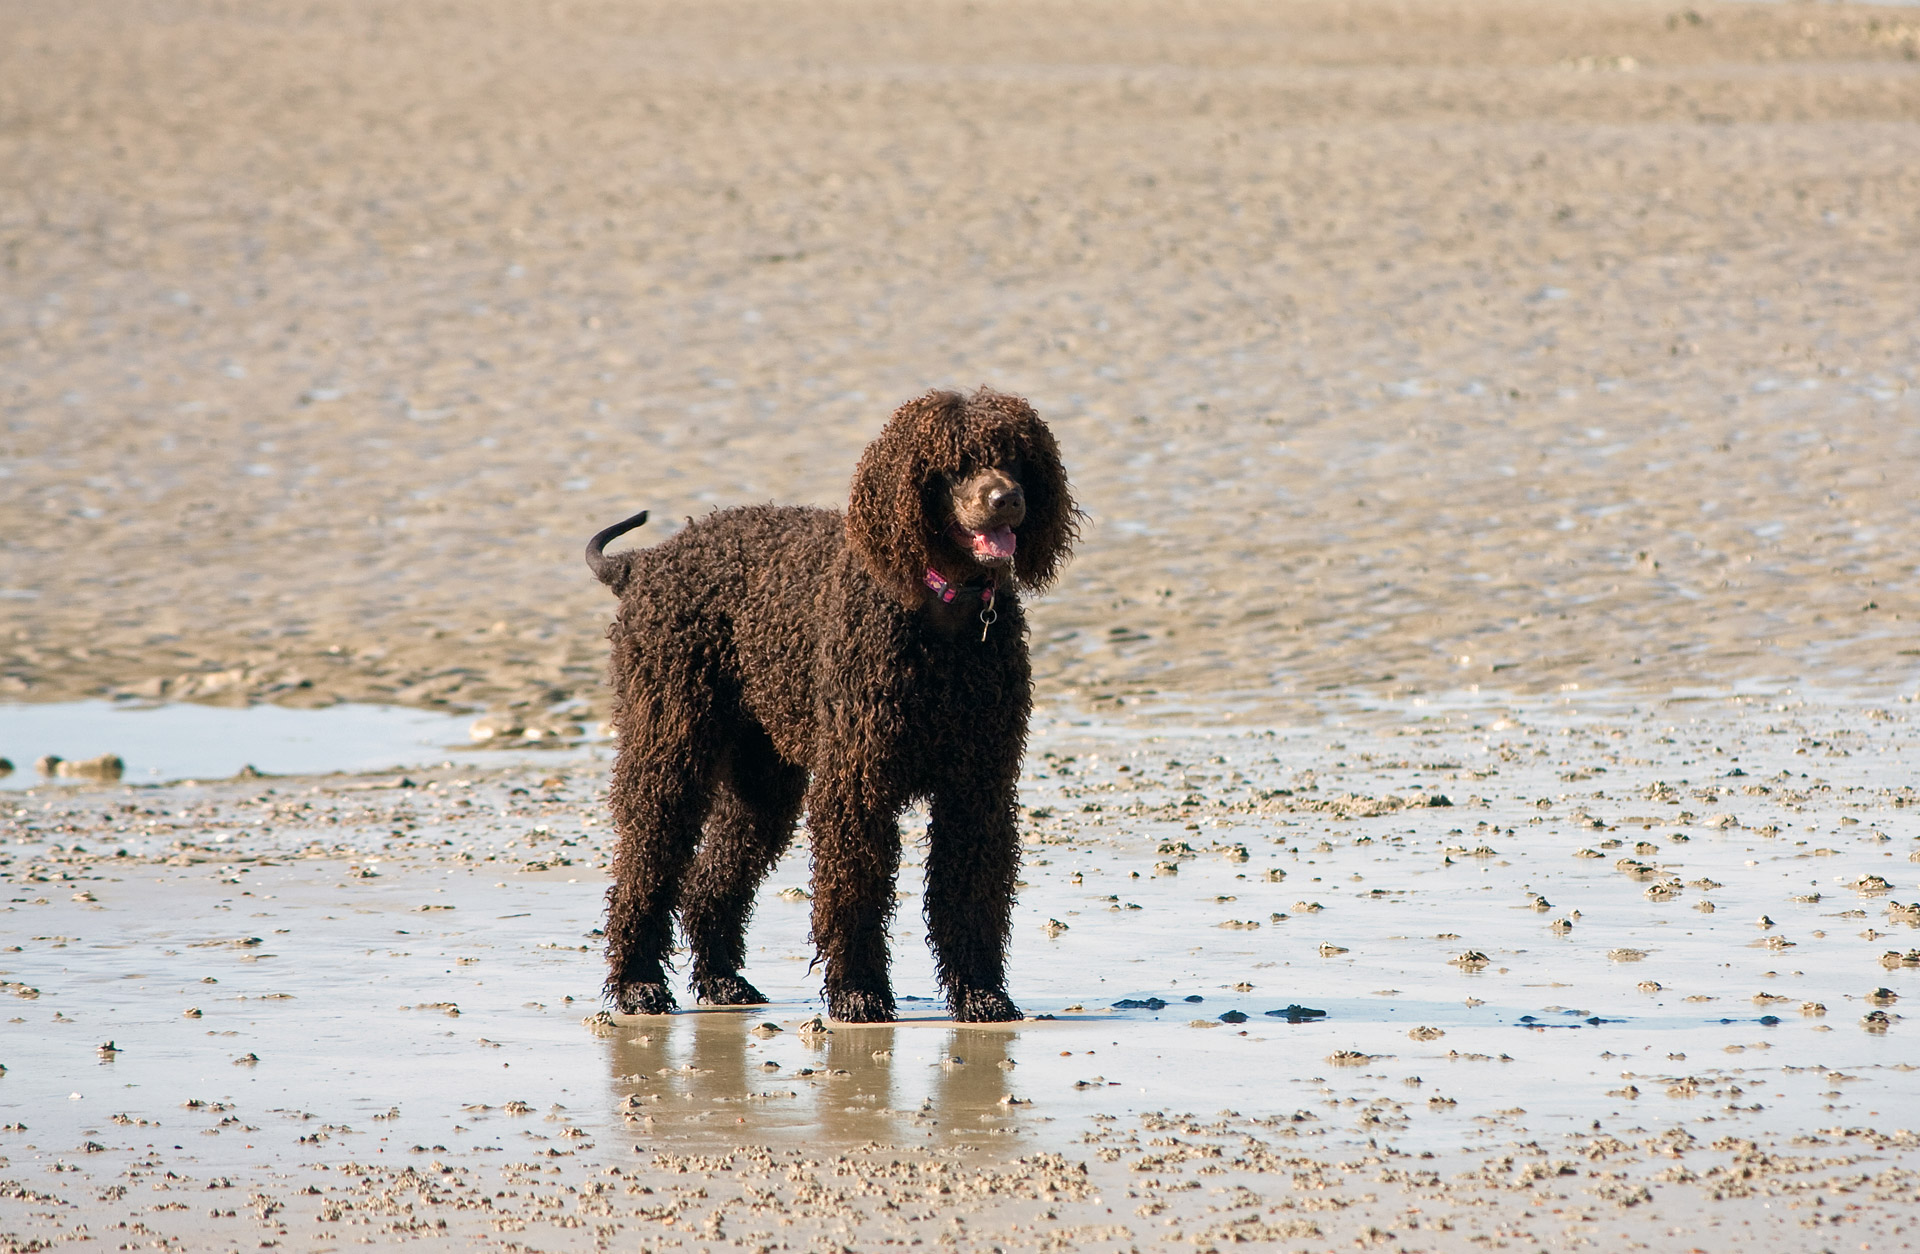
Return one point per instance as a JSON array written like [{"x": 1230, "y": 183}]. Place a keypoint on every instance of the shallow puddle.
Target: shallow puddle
[{"x": 166, "y": 743}]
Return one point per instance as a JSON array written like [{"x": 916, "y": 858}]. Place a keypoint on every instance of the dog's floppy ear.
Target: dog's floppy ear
[
  {"x": 888, "y": 513},
  {"x": 1053, "y": 522}
]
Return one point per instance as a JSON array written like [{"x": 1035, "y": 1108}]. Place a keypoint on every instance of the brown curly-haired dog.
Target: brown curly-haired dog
[{"x": 772, "y": 658}]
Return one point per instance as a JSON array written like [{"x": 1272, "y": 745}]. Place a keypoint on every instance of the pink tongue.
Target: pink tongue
[{"x": 998, "y": 542}]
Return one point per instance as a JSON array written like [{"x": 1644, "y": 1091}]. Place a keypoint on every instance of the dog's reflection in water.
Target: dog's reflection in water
[{"x": 706, "y": 1077}]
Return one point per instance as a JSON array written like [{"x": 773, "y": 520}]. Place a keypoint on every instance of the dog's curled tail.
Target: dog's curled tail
[{"x": 612, "y": 571}]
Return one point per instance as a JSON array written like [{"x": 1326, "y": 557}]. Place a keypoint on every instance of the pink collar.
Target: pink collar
[{"x": 946, "y": 590}]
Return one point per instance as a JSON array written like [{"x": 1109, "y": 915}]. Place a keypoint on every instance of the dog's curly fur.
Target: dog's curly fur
[{"x": 770, "y": 659}]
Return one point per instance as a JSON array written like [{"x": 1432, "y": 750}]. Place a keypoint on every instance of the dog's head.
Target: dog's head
[{"x": 966, "y": 485}]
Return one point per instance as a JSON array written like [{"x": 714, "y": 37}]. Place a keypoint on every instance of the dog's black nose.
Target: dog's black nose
[{"x": 1006, "y": 498}]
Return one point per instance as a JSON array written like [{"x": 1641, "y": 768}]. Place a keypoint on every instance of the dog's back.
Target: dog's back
[{"x": 729, "y": 604}]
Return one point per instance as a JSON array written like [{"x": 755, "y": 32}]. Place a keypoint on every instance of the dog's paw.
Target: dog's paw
[
  {"x": 977, "y": 1005},
  {"x": 726, "y": 990},
  {"x": 641, "y": 998},
  {"x": 860, "y": 1007}
]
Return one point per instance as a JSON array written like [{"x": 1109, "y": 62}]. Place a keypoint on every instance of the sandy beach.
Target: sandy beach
[
  {"x": 1396, "y": 346},
  {"x": 1494, "y": 626}
]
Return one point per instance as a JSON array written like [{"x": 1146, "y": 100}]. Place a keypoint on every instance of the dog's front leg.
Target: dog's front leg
[
  {"x": 856, "y": 855},
  {"x": 973, "y": 858}
]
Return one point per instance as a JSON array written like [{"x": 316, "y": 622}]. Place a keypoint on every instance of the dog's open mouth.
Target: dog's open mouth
[{"x": 995, "y": 544}]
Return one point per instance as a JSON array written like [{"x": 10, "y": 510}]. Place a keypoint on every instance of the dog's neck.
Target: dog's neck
[{"x": 953, "y": 608}]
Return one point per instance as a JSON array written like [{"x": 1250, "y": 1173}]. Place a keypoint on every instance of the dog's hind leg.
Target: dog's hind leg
[
  {"x": 973, "y": 858},
  {"x": 661, "y": 793},
  {"x": 755, "y": 808}
]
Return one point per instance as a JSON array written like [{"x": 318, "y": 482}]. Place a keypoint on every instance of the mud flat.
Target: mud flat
[
  {"x": 1396, "y": 346},
  {"x": 346, "y": 1009}
]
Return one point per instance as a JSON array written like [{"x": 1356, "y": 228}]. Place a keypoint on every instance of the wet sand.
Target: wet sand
[
  {"x": 1391, "y": 346},
  {"x": 1488, "y": 401},
  {"x": 347, "y": 1008}
]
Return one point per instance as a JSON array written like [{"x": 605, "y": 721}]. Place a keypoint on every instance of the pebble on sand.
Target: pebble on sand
[{"x": 108, "y": 766}]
